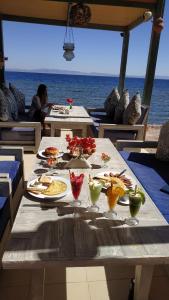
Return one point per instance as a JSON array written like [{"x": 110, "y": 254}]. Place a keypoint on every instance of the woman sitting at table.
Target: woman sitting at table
[{"x": 38, "y": 105}]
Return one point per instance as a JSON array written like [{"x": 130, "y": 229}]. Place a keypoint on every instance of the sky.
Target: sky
[{"x": 34, "y": 46}]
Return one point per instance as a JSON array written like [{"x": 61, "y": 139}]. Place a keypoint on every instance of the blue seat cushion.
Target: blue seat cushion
[
  {"x": 153, "y": 174},
  {"x": 4, "y": 213},
  {"x": 14, "y": 169}
]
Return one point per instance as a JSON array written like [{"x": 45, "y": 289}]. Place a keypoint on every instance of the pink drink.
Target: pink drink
[{"x": 76, "y": 184}]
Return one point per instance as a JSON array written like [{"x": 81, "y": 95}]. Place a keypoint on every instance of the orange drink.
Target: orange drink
[
  {"x": 113, "y": 196},
  {"x": 116, "y": 190}
]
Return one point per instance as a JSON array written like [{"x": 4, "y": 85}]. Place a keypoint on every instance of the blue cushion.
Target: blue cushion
[
  {"x": 13, "y": 168},
  {"x": 4, "y": 213},
  {"x": 153, "y": 175}
]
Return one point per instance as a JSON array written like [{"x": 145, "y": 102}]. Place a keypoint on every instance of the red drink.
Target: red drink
[{"x": 76, "y": 184}]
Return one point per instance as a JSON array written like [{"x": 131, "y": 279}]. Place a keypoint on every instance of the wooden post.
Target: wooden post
[
  {"x": 123, "y": 65},
  {"x": 152, "y": 57},
  {"x": 2, "y": 69}
]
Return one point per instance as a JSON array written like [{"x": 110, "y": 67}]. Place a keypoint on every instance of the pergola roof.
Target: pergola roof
[{"x": 114, "y": 15}]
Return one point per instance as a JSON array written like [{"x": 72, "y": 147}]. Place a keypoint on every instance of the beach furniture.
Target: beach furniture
[
  {"x": 20, "y": 133},
  {"x": 11, "y": 189},
  {"x": 77, "y": 118},
  {"x": 103, "y": 126},
  {"x": 151, "y": 172},
  {"x": 15, "y": 127}
]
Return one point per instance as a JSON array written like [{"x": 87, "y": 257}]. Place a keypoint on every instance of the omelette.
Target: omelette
[{"x": 55, "y": 187}]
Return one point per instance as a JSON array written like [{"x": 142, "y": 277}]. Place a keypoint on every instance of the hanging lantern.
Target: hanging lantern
[
  {"x": 158, "y": 25},
  {"x": 68, "y": 48},
  {"x": 68, "y": 45},
  {"x": 80, "y": 14}
]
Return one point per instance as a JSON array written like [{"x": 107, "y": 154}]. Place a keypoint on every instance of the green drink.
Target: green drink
[
  {"x": 135, "y": 203},
  {"x": 95, "y": 188},
  {"x": 136, "y": 198}
]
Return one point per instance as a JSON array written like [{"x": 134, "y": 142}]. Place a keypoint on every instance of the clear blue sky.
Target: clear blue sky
[{"x": 32, "y": 46}]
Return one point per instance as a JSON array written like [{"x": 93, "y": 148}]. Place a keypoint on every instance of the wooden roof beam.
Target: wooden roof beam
[
  {"x": 60, "y": 23},
  {"x": 134, "y": 4}
]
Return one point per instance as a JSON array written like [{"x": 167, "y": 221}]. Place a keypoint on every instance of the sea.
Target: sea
[{"x": 90, "y": 91}]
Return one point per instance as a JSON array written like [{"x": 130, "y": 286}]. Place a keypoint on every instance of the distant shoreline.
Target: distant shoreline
[{"x": 74, "y": 73}]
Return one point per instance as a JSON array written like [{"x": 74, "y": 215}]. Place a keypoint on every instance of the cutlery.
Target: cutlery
[{"x": 122, "y": 172}]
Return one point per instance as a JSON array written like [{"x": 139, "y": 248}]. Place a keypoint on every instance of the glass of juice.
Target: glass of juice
[
  {"x": 105, "y": 158},
  {"x": 76, "y": 185},
  {"x": 136, "y": 199},
  {"x": 95, "y": 188},
  {"x": 113, "y": 193}
]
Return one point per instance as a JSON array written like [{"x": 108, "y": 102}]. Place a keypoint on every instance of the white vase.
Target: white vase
[{"x": 78, "y": 163}]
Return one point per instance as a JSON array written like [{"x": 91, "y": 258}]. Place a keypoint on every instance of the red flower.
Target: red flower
[
  {"x": 69, "y": 100},
  {"x": 85, "y": 145}
]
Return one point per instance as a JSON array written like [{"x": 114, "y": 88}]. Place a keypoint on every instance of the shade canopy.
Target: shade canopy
[
  {"x": 115, "y": 15},
  {"x": 110, "y": 15}
]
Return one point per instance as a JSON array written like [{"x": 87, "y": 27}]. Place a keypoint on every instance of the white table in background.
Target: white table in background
[{"x": 78, "y": 118}]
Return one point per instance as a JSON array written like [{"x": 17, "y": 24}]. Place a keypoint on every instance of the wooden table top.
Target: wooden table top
[
  {"x": 77, "y": 114},
  {"x": 75, "y": 111},
  {"x": 48, "y": 234}
]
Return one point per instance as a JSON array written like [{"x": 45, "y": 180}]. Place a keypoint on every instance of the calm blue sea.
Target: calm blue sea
[{"x": 90, "y": 90}]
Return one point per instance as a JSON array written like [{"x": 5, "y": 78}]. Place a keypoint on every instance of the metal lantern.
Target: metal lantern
[
  {"x": 68, "y": 45},
  {"x": 68, "y": 51}
]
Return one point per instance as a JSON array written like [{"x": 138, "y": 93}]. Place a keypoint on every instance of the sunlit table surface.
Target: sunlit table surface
[{"x": 48, "y": 234}]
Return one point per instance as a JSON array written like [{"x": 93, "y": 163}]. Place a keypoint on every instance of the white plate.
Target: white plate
[
  {"x": 42, "y": 155},
  {"x": 116, "y": 171},
  {"x": 41, "y": 196},
  {"x": 122, "y": 200}
]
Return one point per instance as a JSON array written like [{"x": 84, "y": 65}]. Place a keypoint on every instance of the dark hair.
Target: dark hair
[{"x": 42, "y": 90}]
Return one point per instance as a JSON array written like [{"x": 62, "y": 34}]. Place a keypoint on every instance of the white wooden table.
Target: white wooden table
[
  {"x": 50, "y": 237},
  {"x": 78, "y": 118}
]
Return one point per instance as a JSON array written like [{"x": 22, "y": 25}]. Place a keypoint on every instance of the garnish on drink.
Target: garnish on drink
[
  {"x": 105, "y": 158},
  {"x": 95, "y": 188},
  {"x": 76, "y": 185},
  {"x": 136, "y": 199},
  {"x": 114, "y": 192}
]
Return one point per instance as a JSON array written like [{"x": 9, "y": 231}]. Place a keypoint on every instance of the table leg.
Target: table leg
[
  {"x": 52, "y": 130},
  {"x": 143, "y": 277},
  {"x": 84, "y": 131},
  {"x": 37, "y": 287}
]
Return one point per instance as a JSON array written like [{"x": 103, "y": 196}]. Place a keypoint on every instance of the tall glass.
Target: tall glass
[
  {"x": 136, "y": 198},
  {"x": 95, "y": 188},
  {"x": 76, "y": 185},
  {"x": 112, "y": 197},
  {"x": 105, "y": 158}
]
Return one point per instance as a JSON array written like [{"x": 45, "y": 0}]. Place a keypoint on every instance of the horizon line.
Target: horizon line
[{"x": 76, "y": 73}]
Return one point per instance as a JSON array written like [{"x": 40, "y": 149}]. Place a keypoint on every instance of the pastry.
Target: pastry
[{"x": 51, "y": 151}]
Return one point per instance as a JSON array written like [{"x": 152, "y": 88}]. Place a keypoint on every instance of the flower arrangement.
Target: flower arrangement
[
  {"x": 78, "y": 146},
  {"x": 70, "y": 102}
]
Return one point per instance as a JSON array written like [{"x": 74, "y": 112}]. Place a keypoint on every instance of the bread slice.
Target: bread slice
[{"x": 46, "y": 180}]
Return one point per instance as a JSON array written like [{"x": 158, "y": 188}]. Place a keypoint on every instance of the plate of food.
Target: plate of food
[
  {"x": 50, "y": 152},
  {"x": 118, "y": 177},
  {"x": 48, "y": 187},
  {"x": 107, "y": 176}
]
